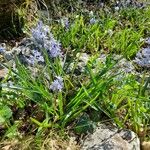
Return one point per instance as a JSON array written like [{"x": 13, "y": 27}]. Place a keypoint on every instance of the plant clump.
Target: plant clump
[
  {"x": 30, "y": 50},
  {"x": 70, "y": 73}
]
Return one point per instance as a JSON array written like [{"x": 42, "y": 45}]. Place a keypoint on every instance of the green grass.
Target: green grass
[{"x": 117, "y": 33}]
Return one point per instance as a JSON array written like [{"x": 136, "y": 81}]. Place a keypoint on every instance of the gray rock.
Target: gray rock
[
  {"x": 147, "y": 40},
  {"x": 80, "y": 63},
  {"x": 109, "y": 137},
  {"x": 142, "y": 58},
  {"x": 122, "y": 66},
  {"x": 25, "y": 51},
  {"x": 121, "y": 4}
]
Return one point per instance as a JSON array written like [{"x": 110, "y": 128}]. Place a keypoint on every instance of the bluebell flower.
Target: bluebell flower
[
  {"x": 57, "y": 84},
  {"x": 36, "y": 57},
  {"x": 93, "y": 21},
  {"x": 53, "y": 47},
  {"x": 30, "y": 60},
  {"x": 146, "y": 52},
  {"x": 2, "y": 48},
  {"x": 41, "y": 34}
]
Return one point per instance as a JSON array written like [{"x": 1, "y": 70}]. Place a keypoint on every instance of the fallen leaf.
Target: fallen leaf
[
  {"x": 146, "y": 145},
  {"x": 3, "y": 72},
  {"x": 6, "y": 147}
]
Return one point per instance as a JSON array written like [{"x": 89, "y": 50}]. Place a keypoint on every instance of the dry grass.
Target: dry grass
[{"x": 51, "y": 142}]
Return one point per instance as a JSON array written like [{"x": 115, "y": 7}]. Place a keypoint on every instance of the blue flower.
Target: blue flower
[
  {"x": 30, "y": 60},
  {"x": 41, "y": 34},
  {"x": 57, "y": 84},
  {"x": 2, "y": 49},
  {"x": 53, "y": 47},
  {"x": 36, "y": 57},
  {"x": 93, "y": 21}
]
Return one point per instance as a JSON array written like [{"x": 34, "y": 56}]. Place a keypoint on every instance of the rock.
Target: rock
[
  {"x": 80, "y": 63},
  {"x": 122, "y": 66},
  {"x": 109, "y": 137},
  {"x": 142, "y": 58},
  {"x": 147, "y": 40}
]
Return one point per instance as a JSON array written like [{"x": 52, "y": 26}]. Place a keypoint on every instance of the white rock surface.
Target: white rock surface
[{"x": 108, "y": 137}]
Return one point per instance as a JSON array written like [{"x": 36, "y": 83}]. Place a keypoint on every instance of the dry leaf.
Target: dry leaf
[
  {"x": 146, "y": 145},
  {"x": 3, "y": 72},
  {"x": 6, "y": 147}
]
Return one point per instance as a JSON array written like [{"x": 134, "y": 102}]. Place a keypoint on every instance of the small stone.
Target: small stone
[{"x": 147, "y": 40}]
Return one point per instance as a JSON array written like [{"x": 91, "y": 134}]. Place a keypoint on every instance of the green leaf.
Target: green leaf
[
  {"x": 5, "y": 114},
  {"x": 12, "y": 132}
]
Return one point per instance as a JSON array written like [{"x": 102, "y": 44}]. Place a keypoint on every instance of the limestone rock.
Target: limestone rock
[
  {"x": 142, "y": 58},
  {"x": 108, "y": 137}
]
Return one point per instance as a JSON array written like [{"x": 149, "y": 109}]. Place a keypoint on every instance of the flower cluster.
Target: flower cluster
[
  {"x": 40, "y": 33},
  {"x": 53, "y": 47},
  {"x": 42, "y": 36},
  {"x": 57, "y": 84},
  {"x": 36, "y": 57},
  {"x": 93, "y": 21},
  {"x": 44, "y": 40},
  {"x": 142, "y": 58}
]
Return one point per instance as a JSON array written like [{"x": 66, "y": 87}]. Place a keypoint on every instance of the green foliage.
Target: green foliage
[
  {"x": 127, "y": 106},
  {"x": 60, "y": 111},
  {"x": 126, "y": 41},
  {"x": 5, "y": 114},
  {"x": 126, "y": 101},
  {"x": 83, "y": 35},
  {"x": 97, "y": 90},
  {"x": 116, "y": 33}
]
